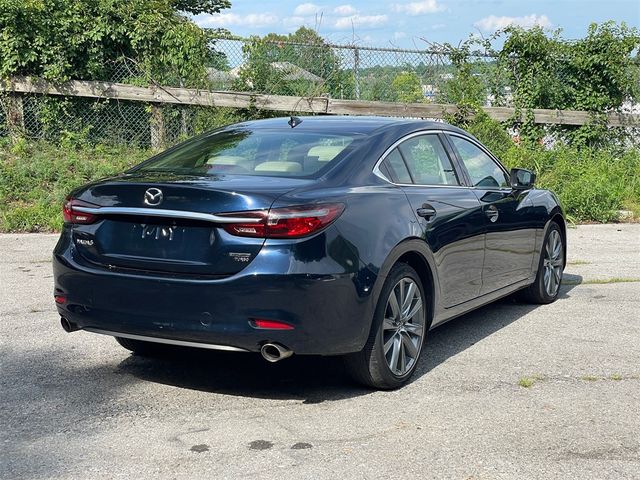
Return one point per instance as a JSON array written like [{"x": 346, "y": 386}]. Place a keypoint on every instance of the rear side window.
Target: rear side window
[
  {"x": 397, "y": 168},
  {"x": 483, "y": 170},
  {"x": 288, "y": 153},
  {"x": 428, "y": 161}
]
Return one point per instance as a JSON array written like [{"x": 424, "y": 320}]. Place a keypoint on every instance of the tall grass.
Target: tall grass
[
  {"x": 35, "y": 177},
  {"x": 593, "y": 184}
]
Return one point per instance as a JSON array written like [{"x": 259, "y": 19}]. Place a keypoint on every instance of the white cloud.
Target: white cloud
[
  {"x": 399, "y": 35},
  {"x": 307, "y": 9},
  {"x": 418, "y": 8},
  {"x": 294, "y": 21},
  {"x": 345, "y": 23},
  {"x": 344, "y": 10},
  {"x": 233, "y": 19},
  {"x": 493, "y": 22}
]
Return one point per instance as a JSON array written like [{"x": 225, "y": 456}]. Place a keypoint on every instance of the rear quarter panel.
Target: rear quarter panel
[{"x": 377, "y": 227}]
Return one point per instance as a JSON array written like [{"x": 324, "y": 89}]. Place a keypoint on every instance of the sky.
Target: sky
[{"x": 407, "y": 23}]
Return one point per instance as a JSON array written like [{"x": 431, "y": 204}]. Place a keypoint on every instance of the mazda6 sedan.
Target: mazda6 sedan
[{"x": 320, "y": 235}]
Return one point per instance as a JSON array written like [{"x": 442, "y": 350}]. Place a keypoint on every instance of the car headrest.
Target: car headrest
[
  {"x": 290, "y": 167},
  {"x": 325, "y": 153},
  {"x": 225, "y": 160}
]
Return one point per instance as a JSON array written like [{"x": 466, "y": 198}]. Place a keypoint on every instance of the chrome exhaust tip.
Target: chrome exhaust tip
[
  {"x": 68, "y": 326},
  {"x": 274, "y": 352}
]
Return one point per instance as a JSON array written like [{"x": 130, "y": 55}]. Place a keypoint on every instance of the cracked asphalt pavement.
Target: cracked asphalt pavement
[{"x": 509, "y": 391}]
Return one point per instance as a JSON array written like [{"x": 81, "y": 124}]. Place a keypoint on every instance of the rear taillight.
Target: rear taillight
[
  {"x": 289, "y": 222},
  {"x": 72, "y": 215}
]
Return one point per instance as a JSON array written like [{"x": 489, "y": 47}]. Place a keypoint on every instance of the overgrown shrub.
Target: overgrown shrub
[
  {"x": 81, "y": 39},
  {"x": 36, "y": 177},
  {"x": 593, "y": 184}
]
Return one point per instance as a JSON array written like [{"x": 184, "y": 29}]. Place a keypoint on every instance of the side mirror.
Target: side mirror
[{"x": 522, "y": 179}]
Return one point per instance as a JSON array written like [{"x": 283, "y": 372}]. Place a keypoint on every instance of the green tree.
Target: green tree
[
  {"x": 376, "y": 83},
  {"x": 197, "y": 7},
  {"x": 463, "y": 86},
  {"x": 63, "y": 39},
  {"x": 304, "y": 49},
  {"x": 407, "y": 87}
]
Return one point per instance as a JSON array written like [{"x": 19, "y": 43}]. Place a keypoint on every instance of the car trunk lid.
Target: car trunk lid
[{"x": 166, "y": 223}]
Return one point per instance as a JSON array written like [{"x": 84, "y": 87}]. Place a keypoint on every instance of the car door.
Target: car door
[
  {"x": 508, "y": 214},
  {"x": 448, "y": 212}
]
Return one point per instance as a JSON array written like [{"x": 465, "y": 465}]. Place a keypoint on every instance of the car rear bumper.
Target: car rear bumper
[{"x": 330, "y": 313}]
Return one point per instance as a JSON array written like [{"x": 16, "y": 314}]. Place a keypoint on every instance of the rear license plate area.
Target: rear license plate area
[{"x": 162, "y": 233}]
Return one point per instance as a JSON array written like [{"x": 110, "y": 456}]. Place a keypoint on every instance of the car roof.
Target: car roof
[{"x": 351, "y": 124}]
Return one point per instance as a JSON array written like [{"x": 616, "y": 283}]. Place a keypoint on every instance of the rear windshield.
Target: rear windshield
[{"x": 287, "y": 153}]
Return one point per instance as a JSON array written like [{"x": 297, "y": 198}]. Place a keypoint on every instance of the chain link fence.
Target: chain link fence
[
  {"x": 349, "y": 72},
  {"x": 343, "y": 71},
  {"x": 338, "y": 71},
  {"x": 107, "y": 121}
]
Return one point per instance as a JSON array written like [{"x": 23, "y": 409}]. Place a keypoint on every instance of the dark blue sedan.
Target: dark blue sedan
[{"x": 320, "y": 235}]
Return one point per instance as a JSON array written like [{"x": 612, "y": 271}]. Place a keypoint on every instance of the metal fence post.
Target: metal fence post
[
  {"x": 356, "y": 72},
  {"x": 184, "y": 118}
]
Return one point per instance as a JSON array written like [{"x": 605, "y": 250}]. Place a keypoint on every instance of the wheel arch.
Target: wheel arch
[
  {"x": 415, "y": 253},
  {"x": 416, "y": 261},
  {"x": 558, "y": 218}
]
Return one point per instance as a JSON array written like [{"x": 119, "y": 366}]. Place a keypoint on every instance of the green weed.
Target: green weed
[
  {"x": 35, "y": 177},
  {"x": 592, "y": 184}
]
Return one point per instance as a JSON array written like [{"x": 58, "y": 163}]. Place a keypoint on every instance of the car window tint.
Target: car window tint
[
  {"x": 484, "y": 172},
  {"x": 396, "y": 166},
  {"x": 253, "y": 152},
  {"x": 428, "y": 161}
]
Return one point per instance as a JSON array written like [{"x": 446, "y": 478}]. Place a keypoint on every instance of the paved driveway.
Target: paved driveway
[{"x": 510, "y": 391}]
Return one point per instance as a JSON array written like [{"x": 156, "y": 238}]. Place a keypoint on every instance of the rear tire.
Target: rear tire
[
  {"x": 399, "y": 327},
  {"x": 551, "y": 264},
  {"x": 142, "y": 348}
]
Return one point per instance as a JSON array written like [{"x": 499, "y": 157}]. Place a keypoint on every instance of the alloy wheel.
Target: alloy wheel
[
  {"x": 403, "y": 326},
  {"x": 553, "y": 263}
]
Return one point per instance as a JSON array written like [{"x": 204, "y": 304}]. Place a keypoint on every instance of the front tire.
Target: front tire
[
  {"x": 399, "y": 327},
  {"x": 546, "y": 286}
]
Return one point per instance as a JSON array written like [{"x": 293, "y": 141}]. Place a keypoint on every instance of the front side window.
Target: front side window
[
  {"x": 428, "y": 161},
  {"x": 483, "y": 170}
]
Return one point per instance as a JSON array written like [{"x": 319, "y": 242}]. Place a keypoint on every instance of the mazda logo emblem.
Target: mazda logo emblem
[{"x": 153, "y": 197}]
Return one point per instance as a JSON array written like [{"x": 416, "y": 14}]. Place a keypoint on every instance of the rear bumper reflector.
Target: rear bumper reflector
[{"x": 264, "y": 324}]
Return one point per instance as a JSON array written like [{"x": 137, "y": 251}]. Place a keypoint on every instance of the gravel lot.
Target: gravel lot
[{"x": 510, "y": 391}]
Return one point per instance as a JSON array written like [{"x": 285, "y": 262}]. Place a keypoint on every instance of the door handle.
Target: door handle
[
  {"x": 426, "y": 211},
  {"x": 492, "y": 213}
]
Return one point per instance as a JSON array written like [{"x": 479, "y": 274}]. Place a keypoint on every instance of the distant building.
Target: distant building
[
  {"x": 429, "y": 92},
  {"x": 289, "y": 71},
  {"x": 294, "y": 72},
  {"x": 220, "y": 76}
]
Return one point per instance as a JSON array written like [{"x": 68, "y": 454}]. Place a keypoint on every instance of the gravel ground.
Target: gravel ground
[{"x": 509, "y": 391}]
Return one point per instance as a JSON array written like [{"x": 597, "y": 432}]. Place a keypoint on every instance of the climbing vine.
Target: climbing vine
[{"x": 536, "y": 68}]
